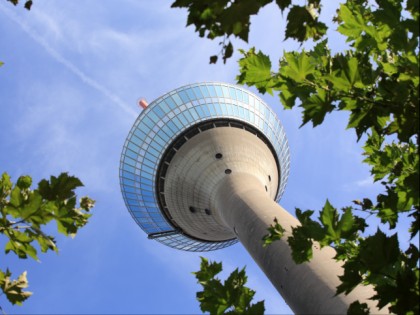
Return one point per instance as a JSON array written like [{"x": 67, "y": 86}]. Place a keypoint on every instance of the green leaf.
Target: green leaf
[
  {"x": 357, "y": 308},
  {"x": 231, "y": 297},
  {"x": 275, "y": 232},
  {"x": 60, "y": 187},
  {"x": 316, "y": 107},
  {"x": 283, "y": 4},
  {"x": 379, "y": 251},
  {"x": 255, "y": 69},
  {"x": 14, "y": 289},
  {"x": 299, "y": 66},
  {"x": 302, "y": 24}
]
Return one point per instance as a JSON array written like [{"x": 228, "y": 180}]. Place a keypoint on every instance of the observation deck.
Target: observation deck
[{"x": 183, "y": 145}]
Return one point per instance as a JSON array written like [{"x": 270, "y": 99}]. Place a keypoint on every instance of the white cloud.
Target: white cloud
[{"x": 66, "y": 63}]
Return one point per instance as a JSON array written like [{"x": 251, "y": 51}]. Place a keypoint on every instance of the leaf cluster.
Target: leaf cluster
[
  {"x": 232, "y": 18},
  {"x": 229, "y": 297},
  {"x": 27, "y": 5},
  {"x": 25, "y": 212}
]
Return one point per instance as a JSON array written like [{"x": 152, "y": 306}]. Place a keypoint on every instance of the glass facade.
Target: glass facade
[{"x": 159, "y": 125}]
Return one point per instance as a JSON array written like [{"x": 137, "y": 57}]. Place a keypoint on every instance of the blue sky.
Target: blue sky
[{"x": 68, "y": 89}]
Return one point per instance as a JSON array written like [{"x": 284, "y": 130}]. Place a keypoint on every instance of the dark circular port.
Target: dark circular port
[
  {"x": 207, "y": 211},
  {"x": 269, "y": 178},
  {"x": 219, "y": 156},
  {"x": 193, "y": 210},
  {"x": 228, "y": 171},
  {"x": 266, "y": 188}
]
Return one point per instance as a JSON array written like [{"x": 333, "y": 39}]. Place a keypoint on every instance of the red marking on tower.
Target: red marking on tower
[{"x": 143, "y": 103}]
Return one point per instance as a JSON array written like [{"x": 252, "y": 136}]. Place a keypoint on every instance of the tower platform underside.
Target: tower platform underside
[{"x": 188, "y": 180}]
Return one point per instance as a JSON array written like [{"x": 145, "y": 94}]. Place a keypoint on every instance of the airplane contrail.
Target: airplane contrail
[{"x": 66, "y": 63}]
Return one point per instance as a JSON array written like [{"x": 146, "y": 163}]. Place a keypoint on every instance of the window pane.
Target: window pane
[
  {"x": 191, "y": 94},
  {"x": 183, "y": 96},
  {"x": 170, "y": 102},
  {"x": 219, "y": 91},
  {"x": 176, "y": 98},
  {"x": 212, "y": 90},
  {"x": 158, "y": 111},
  {"x": 197, "y": 92}
]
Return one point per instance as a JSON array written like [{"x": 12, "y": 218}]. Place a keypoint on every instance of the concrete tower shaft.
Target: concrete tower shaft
[{"x": 308, "y": 288}]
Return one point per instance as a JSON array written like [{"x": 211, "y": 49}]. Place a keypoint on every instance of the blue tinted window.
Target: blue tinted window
[
  {"x": 148, "y": 163},
  {"x": 130, "y": 189},
  {"x": 170, "y": 102},
  {"x": 219, "y": 91},
  {"x": 131, "y": 196},
  {"x": 143, "y": 127},
  {"x": 146, "y": 176},
  {"x": 129, "y": 161},
  {"x": 200, "y": 111},
  {"x": 218, "y": 109},
  {"x": 159, "y": 140},
  {"x": 132, "y": 146},
  {"x": 205, "y": 110},
  {"x": 147, "y": 193},
  {"x": 164, "y": 137},
  {"x": 164, "y": 107},
  {"x": 211, "y": 109},
  {"x": 156, "y": 146},
  {"x": 148, "y": 122},
  {"x": 235, "y": 110},
  {"x": 212, "y": 91},
  {"x": 239, "y": 95},
  {"x": 177, "y": 123},
  {"x": 153, "y": 117},
  {"x": 191, "y": 94},
  {"x": 128, "y": 175},
  {"x": 132, "y": 202},
  {"x": 153, "y": 151},
  {"x": 194, "y": 114},
  {"x": 183, "y": 96},
  {"x": 225, "y": 91},
  {"x": 224, "y": 109},
  {"x": 128, "y": 168},
  {"x": 149, "y": 156},
  {"x": 197, "y": 92},
  {"x": 167, "y": 130},
  {"x": 131, "y": 154},
  {"x": 204, "y": 90},
  {"x": 245, "y": 97},
  {"x": 172, "y": 126},
  {"x": 246, "y": 114},
  {"x": 128, "y": 181},
  {"x": 158, "y": 111},
  {"x": 177, "y": 100},
  {"x": 139, "y": 133},
  {"x": 232, "y": 93},
  {"x": 182, "y": 119},
  {"x": 188, "y": 116},
  {"x": 136, "y": 140}
]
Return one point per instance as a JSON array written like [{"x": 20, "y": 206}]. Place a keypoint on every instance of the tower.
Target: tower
[{"x": 205, "y": 166}]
